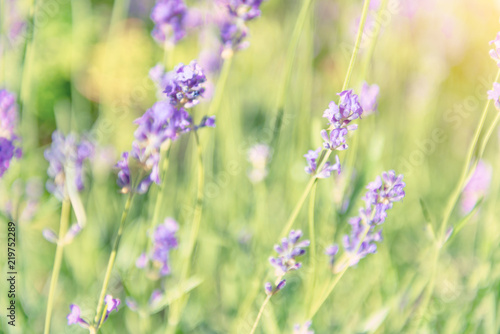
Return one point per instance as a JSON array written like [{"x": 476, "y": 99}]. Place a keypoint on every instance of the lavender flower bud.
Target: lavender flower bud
[
  {"x": 289, "y": 249},
  {"x": 74, "y": 317},
  {"x": 169, "y": 17}
]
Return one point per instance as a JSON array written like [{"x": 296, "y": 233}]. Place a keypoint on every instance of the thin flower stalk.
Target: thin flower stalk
[
  {"x": 63, "y": 227},
  {"x": 177, "y": 307},
  {"x": 289, "y": 60},
  {"x": 112, "y": 257},
  {"x": 466, "y": 173}
]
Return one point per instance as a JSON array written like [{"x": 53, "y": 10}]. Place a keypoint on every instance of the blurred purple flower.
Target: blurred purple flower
[
  {"x": 379, "y": 198},
  {"x": 164, "y": 240},
  {"x": 368, "y": 98},
  {"x": 245, "y": 9},
  {"x": 233, "y": 36},
  {"x": 303, "y": 329},
  {"x": 494, "y": 95},
  {"x": 169, "y": 17},
  {"x": 64, "y": 154},
  {"x": 495, "y": 53},
  {"x": 74, "y": 317},
  {"x": 8, "y": 124},
  {"x": 477, "y": 187}
]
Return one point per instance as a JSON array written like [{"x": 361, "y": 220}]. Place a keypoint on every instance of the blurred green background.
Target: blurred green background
[{"x": 432, "y": 65}]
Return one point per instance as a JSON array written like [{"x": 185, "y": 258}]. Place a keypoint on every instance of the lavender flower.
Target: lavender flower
[
  {"x": 8, "y": 123},
  {"x": 74, "y": 317},
  {"x": 245, "y": 9},
  {"x": 495, "y": 53},
  {"x": 303, "y": 329},
  {"x": 169, "y": 17},
  {"x": 259, "y": 157},
  {"x": 66, "y": 154},
  {"x": 368, "y": 98},
  {"x": 494, "y": 95},
  {"x": 233, "y": 34},
  {"x": 288, "y": 251},
  {"x": 312, "y": 161},
  {"x": 477, "y": 187},
  {"x": 185, "y": 85},
  {"x": 379, "y": 198},
  {"x": 164, "y": 240},
  {"x": 339, "y": 117}
]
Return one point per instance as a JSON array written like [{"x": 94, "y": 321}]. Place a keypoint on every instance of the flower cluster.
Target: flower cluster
[
  {"x": 495, "y": 53},
  {"x": 66, "y": 157},
  {"x": 368, "y": 98},
  {"x": 164, "y": 240},
  {"x": 233, "y": 29},
  {"x": 74, "y": 315},
  {"x": 340, "y": 116},
  {"x": 286, "y": 261},
  {"x": 303, "y": 329},
  {"x": 379, "y": 198},
  {"x": 312, "y": 158},
  {"x": 477, "y": 187},
  {"x": 259, "y": 157},
  {"x": 8, "y": 123},
  {"x": 169, "y": 17},
  {"x": 494, "y": 95},
  {"x": 184, "y": 85},
  {"x": 165, "y": 121}
]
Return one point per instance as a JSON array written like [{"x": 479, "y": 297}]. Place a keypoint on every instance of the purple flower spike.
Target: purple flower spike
[
  {"x": 169, "y": 17},
  {"x": 368, "y": 98},
  {"x": 74, "y": 317},
  {"x": 164, "y": 240},
  {"x": 495, "y": 53},
  {"x": 8, "y": 124},
  {"x": 494, "y": 95},
  {"x": 379, "y": 198},
  {"x": 288, "y": 251},
  {"x": 185, "y": 86},
  {"x": 339, "y": 117},
  {"x": 245, "y": 9},
  {"x": 66, "y": 152},
  {"x": 303, "y": 329}
]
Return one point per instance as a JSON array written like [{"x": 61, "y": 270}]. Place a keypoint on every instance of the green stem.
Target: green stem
[
  {"x": 289, "y": 60},
  {"x": 221, "y": 85},
  {"x": 312, "y": 248},
  {"x": 178, "y": 306},
  {"x": 63, "y": 227},
  {"x": 259, "y": 315},
  {"x": 112, "y": 256},
  {"x": 461, "y": 181},
  {"x": 344, "y": 261},
  {"x": 373, "y": 42},
  {"x": 466, "y": 168},
  {"x": 161, "y": 188}
]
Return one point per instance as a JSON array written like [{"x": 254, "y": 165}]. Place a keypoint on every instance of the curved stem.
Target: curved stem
[
  {"x": 63, "y": 227},
  {"x": 312, "y": 247},
  {"x": 178, "y": 306},
  {"x": 259, "y": 315},
  {"x": 289, "y": 60},
  {"x": 461, "y": 181},
  {"x": 450, "y": 205},
  {"x": 161, "y": 188},
  {"x": 221, "y": 85},
  {"x": 112, "y": 257}
]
